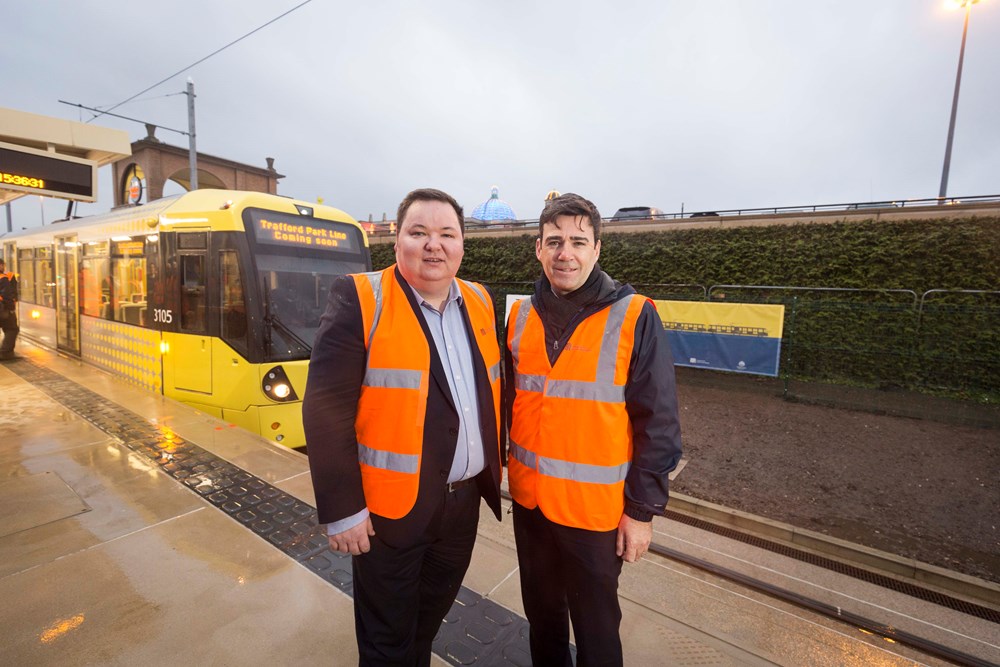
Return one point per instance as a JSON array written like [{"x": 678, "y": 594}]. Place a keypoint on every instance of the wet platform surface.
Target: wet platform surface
[{"x": 135, "y": 530}]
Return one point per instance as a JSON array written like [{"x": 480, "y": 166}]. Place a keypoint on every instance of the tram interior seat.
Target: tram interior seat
[{"x": 132, "y": 312}]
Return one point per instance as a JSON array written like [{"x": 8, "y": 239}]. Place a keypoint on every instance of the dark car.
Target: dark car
[
  {"x": 636, "y": 213},
  {"x": 705, "y": 214}
]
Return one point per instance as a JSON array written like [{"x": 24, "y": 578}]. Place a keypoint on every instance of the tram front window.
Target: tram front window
[{"x": 295, "y": 292}]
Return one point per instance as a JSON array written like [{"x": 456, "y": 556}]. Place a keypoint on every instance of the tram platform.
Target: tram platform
[{"x": 135, "y": 530}]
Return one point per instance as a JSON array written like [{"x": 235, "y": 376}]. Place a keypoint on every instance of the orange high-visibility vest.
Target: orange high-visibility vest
[
  {"x": 8, "y": 278},
  {"x": 393, "y": 402},
  {"x": 570, "y": 436}
]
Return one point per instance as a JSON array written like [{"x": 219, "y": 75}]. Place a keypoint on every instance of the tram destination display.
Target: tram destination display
[
  {"x": 37, "y": 172},
  {"x": 289, "y": 230}
]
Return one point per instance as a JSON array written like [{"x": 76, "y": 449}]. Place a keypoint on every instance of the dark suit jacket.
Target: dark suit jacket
[{"x": 336, "y": 370}]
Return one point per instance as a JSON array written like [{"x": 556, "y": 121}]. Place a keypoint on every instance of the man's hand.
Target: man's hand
[
  {"x": 354, "y": 540},
  {"x": 633, "y": 538}
]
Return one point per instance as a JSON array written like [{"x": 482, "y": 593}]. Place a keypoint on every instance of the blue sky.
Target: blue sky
[{"x": 709, "y": 105}]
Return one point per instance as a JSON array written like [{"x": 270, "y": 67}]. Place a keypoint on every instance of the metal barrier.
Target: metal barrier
[
  {"x": 923, "y": 297},
  {"x": 841, "y": 290},
  {"x": 668, "y": 291},
  {"x": 883, "y": 350}
]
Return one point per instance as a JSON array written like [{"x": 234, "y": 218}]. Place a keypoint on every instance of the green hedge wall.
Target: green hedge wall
[
  {"x": 951, "y": 346},
  {"x": 917, "y": 255}
]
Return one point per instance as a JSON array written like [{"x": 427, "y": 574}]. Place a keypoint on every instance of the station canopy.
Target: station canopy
[{"x": 54, "y": 157}]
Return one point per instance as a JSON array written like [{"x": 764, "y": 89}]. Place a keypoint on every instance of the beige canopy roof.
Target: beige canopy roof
[{"x": 60, "y": 137}]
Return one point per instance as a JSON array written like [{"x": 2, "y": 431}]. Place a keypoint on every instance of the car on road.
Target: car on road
[{"x": 636, "y": 213}]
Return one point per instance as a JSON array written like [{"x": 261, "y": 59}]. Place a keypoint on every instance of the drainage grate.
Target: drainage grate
[
  {"x": 475, "y": 631},
  {"x": 874, "y": 578}
]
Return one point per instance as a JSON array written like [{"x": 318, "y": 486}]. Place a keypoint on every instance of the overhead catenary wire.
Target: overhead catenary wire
[
  {"x": 198, "y": 62},
  {"x": 108, "y": 113},
  {"x": 101, "y": 107}
]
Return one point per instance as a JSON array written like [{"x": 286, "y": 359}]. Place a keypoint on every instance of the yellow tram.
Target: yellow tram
[{"x": 212, "y": 297}]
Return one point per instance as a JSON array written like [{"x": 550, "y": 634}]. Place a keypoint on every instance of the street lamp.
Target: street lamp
[{"x": 957, "y": 4}]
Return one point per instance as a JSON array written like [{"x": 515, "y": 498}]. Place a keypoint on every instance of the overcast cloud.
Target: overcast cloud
[{"x": 713, "y": 105}]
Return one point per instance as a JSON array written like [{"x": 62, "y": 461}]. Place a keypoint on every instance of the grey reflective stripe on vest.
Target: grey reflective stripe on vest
[
  {"x": 392, "y": 378},
  {"x": 603, "y": 388},
  {"x": 529, "y": 382},
  {"x": 612, "y": 337},
  {"x": 494, "y": 370},
  {"x": 523, "y": 455},
  {"x": 375, "y": 280},
  {"x": 389, "y": 378},
  {"x": 478, "y": 289},
  {"x": 523, "y": 309},
  {"x": 577, "y": 472},
  {"x": 586, "y": 391},
  {"x": 379, "y": 458},
  {"x": 582, "y": 472}
]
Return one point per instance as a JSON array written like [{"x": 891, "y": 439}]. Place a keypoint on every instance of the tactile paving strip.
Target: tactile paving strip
[{"x": 476, "y": 631}]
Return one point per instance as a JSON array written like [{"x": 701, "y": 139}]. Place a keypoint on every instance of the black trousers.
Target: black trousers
[
  {"x": 8, "y": 324},
  {"x": 568, "y": 574},
  {"x": 403, "y": 592}
]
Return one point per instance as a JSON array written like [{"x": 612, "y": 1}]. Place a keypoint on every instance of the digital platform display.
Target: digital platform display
[{"x": 38, "y": 172}]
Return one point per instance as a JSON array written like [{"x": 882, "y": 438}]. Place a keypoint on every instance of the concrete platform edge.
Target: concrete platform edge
[{"x": 955, "y": 583}]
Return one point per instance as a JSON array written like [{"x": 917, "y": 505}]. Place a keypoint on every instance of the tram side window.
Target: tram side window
[
  {"x": 234, "y": 312},
  {"x": 193, "y": 293},
  {"x": 26, "y": 280},
  {"x": 95, "y": 281},
  {"x": 128, "y": 282},
  {"x": 45, "y": 278}
]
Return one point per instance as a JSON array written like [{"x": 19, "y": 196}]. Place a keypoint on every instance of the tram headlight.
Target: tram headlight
[{"x": 277, "y": 387}]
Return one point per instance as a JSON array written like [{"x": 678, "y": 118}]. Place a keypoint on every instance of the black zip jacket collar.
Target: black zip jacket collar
[{"x": 561, "y": 315}]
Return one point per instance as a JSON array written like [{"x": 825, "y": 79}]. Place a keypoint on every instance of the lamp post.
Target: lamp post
[{"x": 954, "y": 102}]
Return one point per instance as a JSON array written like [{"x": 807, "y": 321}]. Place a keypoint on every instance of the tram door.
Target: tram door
[
  {"x": 67, "y": 308},
  {"x": 192, "y": 353}
]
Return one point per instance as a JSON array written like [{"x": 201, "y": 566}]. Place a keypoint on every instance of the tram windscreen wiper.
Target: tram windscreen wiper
[
  {"x": 287, "y": 334},
  {"x": 273, "y": 321}
]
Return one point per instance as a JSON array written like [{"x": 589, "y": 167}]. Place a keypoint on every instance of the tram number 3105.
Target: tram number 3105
[{"x": 162, "y": 315}]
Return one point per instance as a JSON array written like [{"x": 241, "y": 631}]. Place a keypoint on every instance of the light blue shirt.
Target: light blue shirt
[{"x": 451, "y": 339}]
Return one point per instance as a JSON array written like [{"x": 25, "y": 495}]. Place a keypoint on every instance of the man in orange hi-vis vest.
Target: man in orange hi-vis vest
[
  {"x": 8, "y": 311},
  {"x": 401, "y": 417},
  {"x": 591, "y": 405}
]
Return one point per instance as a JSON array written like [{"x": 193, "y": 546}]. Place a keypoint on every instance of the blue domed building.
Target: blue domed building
[{"x": 493, "y": 209}]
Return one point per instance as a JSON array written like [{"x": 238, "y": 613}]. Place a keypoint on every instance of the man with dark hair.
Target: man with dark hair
[
  {"x": 430, "y": 195},
  {"x": 401, "y": 417},
  {"x": 591, "y": 405},
  {"x": 8, "y": 311}
]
